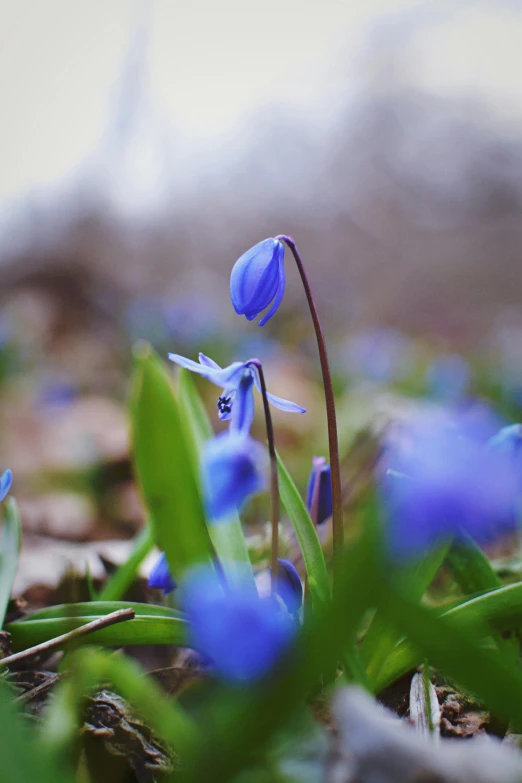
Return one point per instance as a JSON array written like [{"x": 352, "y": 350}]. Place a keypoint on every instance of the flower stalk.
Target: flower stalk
[
  {"x": 333, "y": 442},
  {"x": 274, "y": 480}
]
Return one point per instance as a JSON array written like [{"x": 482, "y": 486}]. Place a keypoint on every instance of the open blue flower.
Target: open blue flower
[
  {"x": 233, "y": 467},
  {"x": 241, "y": 634},
  {"x": 236, "y": 380},
  {"x": 288, "y": 585},
  {"x": 6, "y": 480},
  {"x": 258, "y": 279},
  {"x": 319, "y": 491},
  {"x": 160, "y": 576}
]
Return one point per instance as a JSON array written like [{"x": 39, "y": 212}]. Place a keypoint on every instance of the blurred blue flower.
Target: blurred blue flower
[
  {"x": 443, "y": 483},
  {"x": 508, "y": 441},
  {"x": 243, "y": 635},
  {"x": 289, "y": 586},
  {"x": 6, "y": 480},
  {"x": 258, "y": 279},
  {"x": 160, "y": 576},
  {"x": 320, "y": 482},
  {"x": 233, "y": 467},
  {"x": 448, "y": 377},
  {"x": 236, "y": 380},
  {"x": 379, "y": 354}
]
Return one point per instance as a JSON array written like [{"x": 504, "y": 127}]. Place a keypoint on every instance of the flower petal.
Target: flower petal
[
  {"x": 279, "y": 402},
  {"x": 6, "y": 479},
  {"x": 280, "y": 287},
  {"x": 221, "y": 377},
  {"x": 243, "y": 407},
  {"x": 208, "y": 361},
  {"x": 255, "y": 278}
]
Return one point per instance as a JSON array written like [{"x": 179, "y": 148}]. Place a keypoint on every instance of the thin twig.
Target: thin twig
[{"x": 102, "y": 622}]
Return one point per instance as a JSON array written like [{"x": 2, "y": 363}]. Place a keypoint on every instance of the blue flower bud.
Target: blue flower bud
[
  {"x": 6, "y": 479},
  {"x": 160, "y": 576},
  {"x": 319, "y": 491},
  {"x": 258, "y": 279},
  {"x": 289, "y": 586},
  {"x": 241, "y": 634},
  {"x": 233, "y": 467}
]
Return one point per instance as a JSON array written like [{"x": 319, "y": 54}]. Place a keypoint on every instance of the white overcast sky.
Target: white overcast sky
[{"x": 214, "y": 63}]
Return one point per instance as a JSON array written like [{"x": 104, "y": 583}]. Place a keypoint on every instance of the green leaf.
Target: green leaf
[
  {"x": 470, "y": 567},
  {"x": 227, "y": 536},
  {"x": 9, "y": 550},
  {"x": 499, "y": 610},
  {"x": 458, "y": 654},
  {"x": 318, "y": 580},
  {"x": 98, "y": 609},
  {"x": 23, "y": 759},
  {"x": 382, "y": 636},
  {"x": 144, "y": 629},
  {"x": 164, "y": 466},
  {"x": 121, "y": 580}
]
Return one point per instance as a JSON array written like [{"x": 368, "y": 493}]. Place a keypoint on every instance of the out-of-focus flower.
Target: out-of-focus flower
[
  {"x": 508, "y": 441},
  {"x": 160, "y": 576},
  {"x": 233, "y": 467},
  {"x": 236, "y": 380},
  {"x": 448, "y": 377},
  {"x": 380, "y": 355},
  {"x": 288, "y": 585},
  {"x": 446, "y": 483},
  {"x": 258, "y": 279},
  {"x": 319, "y": 494},
  {"x": 6, "y": 480},
  {"x": 241, "y": 634}
]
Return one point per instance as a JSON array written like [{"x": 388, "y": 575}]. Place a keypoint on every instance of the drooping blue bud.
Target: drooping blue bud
[
  {"x": 319, "y": 494},
  {"x": 233, "y": 467},
  {"x": 160, "y": 576},
  {"x": 258, "y": 279},
  {"x": 242, "y": 635},
  {"x": 289, "y": 586},
  {"x": 6, "y": 480}
]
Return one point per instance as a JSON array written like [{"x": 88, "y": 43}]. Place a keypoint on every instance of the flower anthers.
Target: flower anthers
[
  {"x": 242, "y": 635},
  {"x": 258, "y": 280}
]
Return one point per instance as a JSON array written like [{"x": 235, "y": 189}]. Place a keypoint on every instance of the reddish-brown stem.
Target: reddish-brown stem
[
  {"x": 333, "y": 443},
  {"x": 274, "y": 481}
]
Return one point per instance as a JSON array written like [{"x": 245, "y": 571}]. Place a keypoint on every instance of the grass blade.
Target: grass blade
[
  {"x": 9, "y": 551},
  {"x": 318, "y": 580},
  {"x": 164, "y": 466}
]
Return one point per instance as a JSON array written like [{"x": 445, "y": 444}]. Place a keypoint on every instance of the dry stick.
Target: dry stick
[
  {"x": 274, "y": 480},
  {"x": 110, "y": 619},
  {"x": 333, "y": 443}
]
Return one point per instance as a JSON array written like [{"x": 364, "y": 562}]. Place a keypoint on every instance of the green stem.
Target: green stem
[{"x": 333, "y": 442}]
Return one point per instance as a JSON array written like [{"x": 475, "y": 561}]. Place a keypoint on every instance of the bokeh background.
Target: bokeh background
[{"x": 146, "y": 145}]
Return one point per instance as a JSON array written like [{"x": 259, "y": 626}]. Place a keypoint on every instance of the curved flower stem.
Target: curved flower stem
[
  {"x": 333, "y": 443},
  {"x": 274, "y": 480}
]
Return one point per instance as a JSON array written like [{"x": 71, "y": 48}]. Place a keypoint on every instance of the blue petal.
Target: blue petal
[
  {"x": 221, "y": 377},
  {"x": 279, "y": 402},
  {"x": 160, "y": 576},
  {"x": 289, "y": 586},
  {"x": 233, "y": 467},
  {"x": 280, "y": 287},
  {"x": 243, "y": 407},
  {"x": 255, "y": 278},
  {"x": 6, "y": 479},
  {"x": 320, "y": 473},
  {"x": 208, "y": 361}
]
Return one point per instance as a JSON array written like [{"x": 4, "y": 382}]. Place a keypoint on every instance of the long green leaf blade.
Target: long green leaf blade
[
  {"x": 306, "y": 533},
  {"x": 164, "y": 466},
  {"x": 9, "y": 550}
]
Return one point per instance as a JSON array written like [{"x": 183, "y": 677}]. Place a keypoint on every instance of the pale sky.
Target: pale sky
[{"x": 215, "y": 63}]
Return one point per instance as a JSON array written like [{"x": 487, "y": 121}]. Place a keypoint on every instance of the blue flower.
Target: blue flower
[
  {"x": 233, "y": 467},
  {"x": 160, "y": 576},
  {"x": 236, "y": 380},
  {"x": 243, "y": 635},
  {"x": 258, "y": 279},
  {"x": 319, "y": 491},
  {"x": 289, "y": 586},
  {"x": 448, "y": 377},
  {"x": 508, "y": 441},
  {"x": 6, "y": 479},
  {"x": 447, "y": 484}
]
